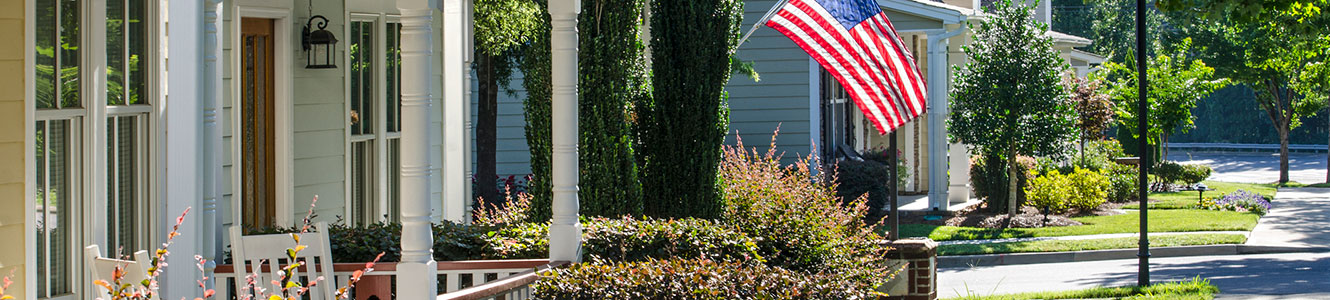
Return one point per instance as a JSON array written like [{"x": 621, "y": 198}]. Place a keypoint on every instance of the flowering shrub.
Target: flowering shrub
[
  {"x": 1239, "y": 200},
  {"x": 512, "y": 183},
  {"x": 797, "y": 219},
  {"x": 511, "y": 210}
]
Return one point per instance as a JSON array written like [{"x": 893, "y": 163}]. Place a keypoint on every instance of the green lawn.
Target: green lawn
[
  {"x": 1195, "y": 289},
  {"x": 1187, "y": 199},
  {"x": 1160, "y": 221},
  {"x": 1094, "y": 244}
]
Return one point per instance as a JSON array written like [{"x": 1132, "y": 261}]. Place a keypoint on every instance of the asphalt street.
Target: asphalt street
[{"x": 1266, "y": 274}]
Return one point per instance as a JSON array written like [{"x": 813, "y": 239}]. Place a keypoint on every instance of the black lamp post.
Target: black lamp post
[
  {"x": 1142, "y": 108},
  {"x": 320, "y": 45}
]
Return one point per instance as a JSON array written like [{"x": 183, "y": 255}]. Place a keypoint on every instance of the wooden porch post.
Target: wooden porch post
[
  {"x": 183, "y": 123},
  {"x": 565, "y": 231},
  {"x": 456, "y": 137},
  {"x": 211, "y": 171},
  {"x": 416, "y": 272}
]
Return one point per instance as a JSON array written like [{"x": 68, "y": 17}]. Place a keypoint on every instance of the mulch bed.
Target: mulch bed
[{"x": 1029, "y": 217}]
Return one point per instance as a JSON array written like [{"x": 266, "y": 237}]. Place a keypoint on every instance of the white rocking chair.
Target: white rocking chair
[
  {"x": 251, "y": 253},
  {"x": 101, "y": 268}
]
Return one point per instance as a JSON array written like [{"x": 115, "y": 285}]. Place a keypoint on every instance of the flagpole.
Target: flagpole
[
  {"x": 759, "y": 23},
  {"x": 892, "y": 193}
]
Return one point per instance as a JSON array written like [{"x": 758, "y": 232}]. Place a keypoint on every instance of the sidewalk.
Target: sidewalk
[{"x": 1298, "y": 218}]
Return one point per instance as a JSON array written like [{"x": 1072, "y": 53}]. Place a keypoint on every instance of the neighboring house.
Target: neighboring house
[{"x": 811, "y": 110}]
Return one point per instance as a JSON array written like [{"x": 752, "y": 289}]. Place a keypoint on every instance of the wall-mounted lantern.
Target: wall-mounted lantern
[{"x": 320, "y": 45}]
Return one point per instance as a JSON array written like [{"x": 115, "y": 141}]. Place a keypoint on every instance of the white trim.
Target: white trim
[
  {"x": 948, "y": 14},
  {"x": 283, "y": 106},
  {"x": 29, "y": 288}
]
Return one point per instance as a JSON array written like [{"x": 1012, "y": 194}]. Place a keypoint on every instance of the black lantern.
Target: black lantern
[{"x": 319, "y": 45}]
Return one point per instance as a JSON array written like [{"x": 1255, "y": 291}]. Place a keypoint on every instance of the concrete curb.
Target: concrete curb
[{"x": 985, "y": 260}]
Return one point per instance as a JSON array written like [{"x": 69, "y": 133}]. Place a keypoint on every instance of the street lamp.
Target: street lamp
[{"x": 1143, "y": 276}]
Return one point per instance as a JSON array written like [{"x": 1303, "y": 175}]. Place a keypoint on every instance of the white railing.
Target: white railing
[
  {"x": 454, "y": 276},
  {"x": 515, "y": 287}
]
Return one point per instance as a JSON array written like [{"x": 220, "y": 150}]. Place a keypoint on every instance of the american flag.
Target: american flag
[{"x": 856, "y": 44}]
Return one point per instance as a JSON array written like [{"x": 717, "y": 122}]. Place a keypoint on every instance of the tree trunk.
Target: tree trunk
[
  {"x": 1013, "y": 204},
  {"x": 486, "y": 137},
  {"x": 1283, "y": 154}
]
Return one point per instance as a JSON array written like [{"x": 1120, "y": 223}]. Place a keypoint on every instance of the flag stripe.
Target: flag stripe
[{"x": 868, "y": 58}]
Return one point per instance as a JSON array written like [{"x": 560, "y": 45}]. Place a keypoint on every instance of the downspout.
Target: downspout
[{"x": 938, "y": 83}]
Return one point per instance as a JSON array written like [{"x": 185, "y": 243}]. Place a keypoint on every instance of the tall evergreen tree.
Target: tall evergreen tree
[
  {"x": 681, "y": 128},
  {"x": 611, "y": 76}
]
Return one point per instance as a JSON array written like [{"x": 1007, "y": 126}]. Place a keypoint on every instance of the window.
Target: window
[
  {"x": 842, "y": 124},
  {"x": 68, "y": 110},
  {"x": 374, "y": 105},
  {"x": 59, "y": 118}
]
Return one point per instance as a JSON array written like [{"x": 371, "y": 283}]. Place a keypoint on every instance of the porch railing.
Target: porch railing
[
  {"x": 515, "y": 287},
  {"x": 454, "y": 276}
]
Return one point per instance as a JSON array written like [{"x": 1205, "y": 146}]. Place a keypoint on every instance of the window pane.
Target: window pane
[
  {"x": 367, "y": 78},
  {"x": 115, "y": 52},
  {"x": 363, "y": 193},
  {"x": 43, "y": 193},
  {"x": 394, "y": 180},
  {"x": 123, "y": 198},
  {"x": 394, "y": 75},
  {"x": 45, "y": 48},
  {"x": 57, "y": 209},
  {"x": 69, "y": 53},
  {"x": 137, "y": 26},
  {"x": 356, "y": 67}
]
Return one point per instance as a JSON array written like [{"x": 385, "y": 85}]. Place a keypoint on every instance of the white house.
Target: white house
[{"x": 117, "y": 115}]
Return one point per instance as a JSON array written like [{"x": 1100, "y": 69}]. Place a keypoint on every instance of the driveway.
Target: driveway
[{"x": 1256, "y": 167}]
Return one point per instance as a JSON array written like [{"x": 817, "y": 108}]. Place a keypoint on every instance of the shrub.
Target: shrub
[
  {"x": 1240, "y": 200},
  {"x": 796, "y": 218},
  {"x": 1167, "y": 172},
  {"x": 1192, "y": 174},
  {"x": 452, "y": 241},
  {"x": 1099, "y": 155},
  {"x": 856, "y": 179},
  {"x": 1089, "y": 189},
  {"x": 1048, "y": 192},
  {"x": 1123, "y": 180},
  {"x": 631, "y": 240},
  {"x": 990, "y": 180},
  {"x": 882, "y": 156},
  {"x": 692, "y": 279}
]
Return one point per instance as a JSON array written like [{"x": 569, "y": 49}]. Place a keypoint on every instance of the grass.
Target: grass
[
  {"x": 1091, "y": 244},
  {"x": 1195, "y": 289},
  {"x": 1187, "y": 199},
  {"x": 1160, "y": 221}
]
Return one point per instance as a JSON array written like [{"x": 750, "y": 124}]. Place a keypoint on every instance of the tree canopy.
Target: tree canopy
[{"x": 1176, "y": 85}]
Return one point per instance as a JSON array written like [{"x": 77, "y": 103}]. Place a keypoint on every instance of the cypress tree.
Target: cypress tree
[
  {"x": 611, "y": 75},
  {"x": 681, "y": 128}
]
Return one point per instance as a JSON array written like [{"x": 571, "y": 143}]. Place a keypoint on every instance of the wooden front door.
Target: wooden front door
[{"x": 257, "y": 124}]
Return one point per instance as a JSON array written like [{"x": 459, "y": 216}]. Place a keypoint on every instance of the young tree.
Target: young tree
[
  {"x": 680, "y": 128},
  {"x": 1094, "y": 108},
  {"x": 1008, "y": 99},
  {"x": 612, "y": 75},
  {"x": 502, "y": 27},
  {"x": 1271, "y": 56},
  {"x": 1176, "y": 85}
]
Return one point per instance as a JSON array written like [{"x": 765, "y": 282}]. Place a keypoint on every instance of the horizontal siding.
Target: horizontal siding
[
  {"x": 512, "y": 156},
  {"x": 780, "y": 99}
]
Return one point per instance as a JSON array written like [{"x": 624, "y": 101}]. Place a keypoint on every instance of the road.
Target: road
[
  {"x": 1256, "y": 167},
  {"x": 1266, "y": 274}
]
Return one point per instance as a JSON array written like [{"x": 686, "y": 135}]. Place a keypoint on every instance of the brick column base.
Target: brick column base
[{"x": 918, "y": 280}]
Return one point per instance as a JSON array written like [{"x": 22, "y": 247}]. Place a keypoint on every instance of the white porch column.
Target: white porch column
[
  {"x": 938, "y": 80},
  {"x": 416, "y": 272},
  {"x": 183, "y": 122},
  {"x": 455, "y": 106},
  {"x": 959, "y": 189},
  {"x": 211, "y": 169},
  {"x": 565, "y": 231}
]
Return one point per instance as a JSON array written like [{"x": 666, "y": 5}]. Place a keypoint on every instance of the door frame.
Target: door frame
[{"x": 282, "y": 106}]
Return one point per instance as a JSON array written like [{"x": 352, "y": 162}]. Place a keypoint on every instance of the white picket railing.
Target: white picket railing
[{"x": 454, "y": 276}]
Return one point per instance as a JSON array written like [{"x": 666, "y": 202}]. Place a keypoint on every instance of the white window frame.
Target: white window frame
[
  {"x": 88, "y": 159},
  {"x": 381, "y": 137}
]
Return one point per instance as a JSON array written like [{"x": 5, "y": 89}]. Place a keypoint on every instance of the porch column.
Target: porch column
[
  {"x": 416, "y": 271},
  {"x": 182, "y": 115},
  {"x": 565, "y": 231},
  {"x": 455, "y": 105},
  {"x": 211, "y": 160},
  {"x": 959, "y": 190},
  {"x": 938, "y": 80}
]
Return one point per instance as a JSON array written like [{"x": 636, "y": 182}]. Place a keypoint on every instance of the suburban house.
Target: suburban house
[
  {"x": 811, "y": 110},
  {"x": 118, "y": 115}
]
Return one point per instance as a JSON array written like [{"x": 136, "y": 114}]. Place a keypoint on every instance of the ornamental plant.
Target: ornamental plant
[
  {"x": 289, "y": 287},
  {"x": 1009, "y": 100},
  {"x": 1089, "y": 189},
  {"x": 1243, "y": 200},
  {"x": 1048, "y": 193}
]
